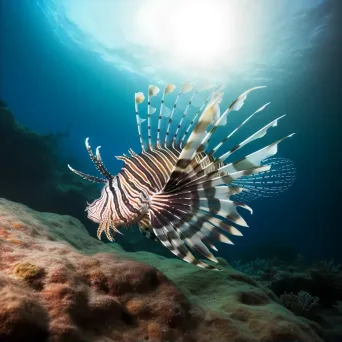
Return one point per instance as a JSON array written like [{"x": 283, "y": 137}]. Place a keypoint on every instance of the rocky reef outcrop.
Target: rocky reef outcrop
[
  {"x": 32, "y": 170},
  {"x": 59, "y": 284}
]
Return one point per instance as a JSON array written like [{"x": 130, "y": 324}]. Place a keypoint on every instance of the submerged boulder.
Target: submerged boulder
[{"x": 59, "y": 284}]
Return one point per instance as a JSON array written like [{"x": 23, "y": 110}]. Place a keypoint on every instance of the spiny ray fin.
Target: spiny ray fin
[
  {"x": 97, "y": 160},
  {"x": 203, "y": 106},
  {"x": 200, "y": 134},
  {"x": 152, "y": 91},
  {"x": 186, "y": 88},
  {"x": 197, "y": 203},
  {"x": 139, "y": 98},
  {"x": 164, "y": 110},
  {"x": 87, "y": 177}
]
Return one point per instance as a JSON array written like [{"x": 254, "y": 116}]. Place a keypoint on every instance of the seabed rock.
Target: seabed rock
[{"x": 59, "y": 284}]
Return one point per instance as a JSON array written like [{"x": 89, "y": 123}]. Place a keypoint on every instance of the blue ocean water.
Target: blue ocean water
[{"x": 51, "y": 86}]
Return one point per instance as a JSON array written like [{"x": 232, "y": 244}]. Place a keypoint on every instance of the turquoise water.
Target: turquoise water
[{"x": 57, "y": 75}]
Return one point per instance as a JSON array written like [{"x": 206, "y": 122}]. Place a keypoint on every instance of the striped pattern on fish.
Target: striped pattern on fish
[{"x": 179, "y": 195}]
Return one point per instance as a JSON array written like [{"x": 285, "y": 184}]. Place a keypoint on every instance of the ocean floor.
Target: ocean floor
[{"x": 57, "y": 283}]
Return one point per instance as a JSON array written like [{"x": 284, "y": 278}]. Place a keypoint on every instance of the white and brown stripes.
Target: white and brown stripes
[
  {"x": 170, "y": 120},
  {"x": 96, "y": 159},
  {"x": 150, "y": 170},
  {"x": 188, "y": 153},
  {"x": 160, "y": 118},
  {"x": 120, "y": 204},
  {"x": 182, "y": 197},
  {"x": 182, "y": 118},
  {"x": 139, "y": 98},
  {"x": 188, "y": 129}
]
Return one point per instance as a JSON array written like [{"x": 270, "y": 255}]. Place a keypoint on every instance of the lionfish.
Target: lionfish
[{"x": 178, "y": 190}]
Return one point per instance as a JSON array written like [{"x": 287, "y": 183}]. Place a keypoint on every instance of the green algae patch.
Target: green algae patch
[{"x": 29, "y": 273}]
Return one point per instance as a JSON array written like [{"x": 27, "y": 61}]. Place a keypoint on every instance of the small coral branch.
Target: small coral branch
[
  {"x": 329, "y": 266},
  {"x": 258, "y": 269},
  {"x": 301, "y": 304}
]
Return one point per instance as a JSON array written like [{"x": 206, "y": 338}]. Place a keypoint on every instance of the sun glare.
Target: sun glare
[
  {"x": 210, "y": 40},
  {"x": 190, "y": 32}
]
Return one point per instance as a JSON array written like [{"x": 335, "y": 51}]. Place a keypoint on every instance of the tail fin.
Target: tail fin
[{"x": 267, "y": 184}]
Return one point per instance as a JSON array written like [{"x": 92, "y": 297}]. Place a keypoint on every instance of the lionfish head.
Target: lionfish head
[{"x": 103, "y": 210}]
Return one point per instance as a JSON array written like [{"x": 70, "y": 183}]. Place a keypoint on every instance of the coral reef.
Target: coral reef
[
  {"x": 313, "y": 291},
  {"x": 302, "y": 304},
  {"x": 326, "y": 266},
  {"x": 258, "y": 269},
  {"x": 59, "y": 284}
]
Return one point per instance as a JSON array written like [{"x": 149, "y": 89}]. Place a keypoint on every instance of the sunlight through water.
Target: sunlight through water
[{"x": 198, "y": 39}]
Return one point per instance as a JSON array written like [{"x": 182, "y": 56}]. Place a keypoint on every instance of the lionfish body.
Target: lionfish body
[{"x": 177, "y": 190}]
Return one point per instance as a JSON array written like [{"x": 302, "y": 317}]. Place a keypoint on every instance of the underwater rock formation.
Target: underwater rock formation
[
  {"x": 39, "y": 170},
  {"x": 59, "y": 284}
]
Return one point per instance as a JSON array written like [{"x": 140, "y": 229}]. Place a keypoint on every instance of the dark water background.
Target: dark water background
[{"x": 50, "y": 88}]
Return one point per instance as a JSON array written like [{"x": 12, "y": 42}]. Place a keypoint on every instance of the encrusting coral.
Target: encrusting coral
[{"x": 59, "y": 284}]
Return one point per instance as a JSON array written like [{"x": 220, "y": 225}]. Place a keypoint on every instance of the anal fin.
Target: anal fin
[{"x": 145, "y": 227}]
